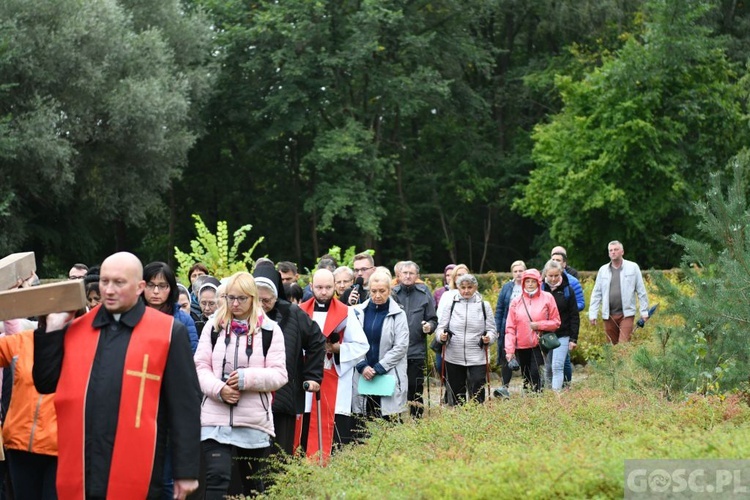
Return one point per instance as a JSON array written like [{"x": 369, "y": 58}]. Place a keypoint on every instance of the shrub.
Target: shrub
[
  {"x": 570, "y": 445},
  {"x": 706, "y": 350},
  {"x": 214, "y": 252}
]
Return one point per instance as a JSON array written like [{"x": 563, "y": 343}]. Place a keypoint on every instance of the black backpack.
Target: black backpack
[{"x": 267, "y": 338}]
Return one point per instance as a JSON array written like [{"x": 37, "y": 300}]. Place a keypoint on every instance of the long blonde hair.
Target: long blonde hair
[{"x": 245, "y": 282}]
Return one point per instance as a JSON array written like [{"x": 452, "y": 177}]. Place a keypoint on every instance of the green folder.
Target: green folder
[{"x": 380, "y": 385}]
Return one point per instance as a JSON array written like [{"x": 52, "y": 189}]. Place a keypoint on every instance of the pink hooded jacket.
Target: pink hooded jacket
[
  {"x": 261, "y": 377},
  {"x": 542, "y": 309}
]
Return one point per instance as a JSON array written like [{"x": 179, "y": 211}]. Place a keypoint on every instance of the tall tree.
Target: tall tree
[
  {"x": 99, "y": 98},
  {"x": 636, "y": 138}
]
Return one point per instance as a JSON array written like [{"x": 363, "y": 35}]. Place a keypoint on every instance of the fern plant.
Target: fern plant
[{"x": 214, "y": 252}]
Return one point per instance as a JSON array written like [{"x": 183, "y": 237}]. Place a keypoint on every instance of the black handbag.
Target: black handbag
[{"x": 549, "y": 341}]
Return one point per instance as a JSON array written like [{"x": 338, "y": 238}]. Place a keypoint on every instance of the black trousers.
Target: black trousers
[
  {"x": 219, "y": 460},
  {"x": 459, "y": 378},
  {"x": 284, "y": 426},
  {"x": 33, "y": 475},
  {"x": 415, "y": 388},
  {"x": 530, "y": 361}
]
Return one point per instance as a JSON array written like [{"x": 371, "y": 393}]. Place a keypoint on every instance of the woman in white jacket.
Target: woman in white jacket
[
  {"x": 387, "y": 331},
  {"x": 467, "y": 329},
  {"x": 237, "y": 371}
]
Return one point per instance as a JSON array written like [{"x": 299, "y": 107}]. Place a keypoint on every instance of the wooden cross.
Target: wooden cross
[
  {"x": 68, "y": 295},
  {"x": 143, "y": 375}
]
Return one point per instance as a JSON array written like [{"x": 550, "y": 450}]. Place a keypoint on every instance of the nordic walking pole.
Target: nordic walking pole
[
  {"x": 487, "y": 365},
  {"x": 442, "y": 375},
  {"x": 306, "y": 386},
  {"x": 427, "y": 369}
]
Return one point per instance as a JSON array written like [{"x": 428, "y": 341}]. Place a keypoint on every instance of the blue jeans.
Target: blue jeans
[
  {"x": 555, "y": 364},
  {"x": 568, "y": 370}
]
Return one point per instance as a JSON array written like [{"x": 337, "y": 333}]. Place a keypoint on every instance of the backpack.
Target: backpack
[{"x": 267, "y": 338}]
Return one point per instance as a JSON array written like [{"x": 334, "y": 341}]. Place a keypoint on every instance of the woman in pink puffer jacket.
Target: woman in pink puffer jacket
[
  {"x": 237, "y": 378},
  {"x": 532, "y": 312}
]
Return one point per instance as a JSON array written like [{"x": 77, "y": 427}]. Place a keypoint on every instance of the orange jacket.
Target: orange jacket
[{"x": 31, "y": 422}]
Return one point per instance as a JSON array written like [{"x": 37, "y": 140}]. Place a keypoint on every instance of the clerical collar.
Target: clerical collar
[
  {"x": 129, "y": 318},
  {"x": 117, "y": 316},
  {"x": 318, "y": 307}
]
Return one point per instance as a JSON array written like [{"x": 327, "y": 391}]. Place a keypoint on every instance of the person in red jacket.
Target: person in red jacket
[{"x": 532, "y": 312}]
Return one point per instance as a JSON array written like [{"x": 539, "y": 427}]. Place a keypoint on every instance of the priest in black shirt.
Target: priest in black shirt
[{"x": 125, "y": 382}]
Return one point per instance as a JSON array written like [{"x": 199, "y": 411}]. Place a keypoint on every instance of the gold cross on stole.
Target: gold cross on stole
[{"x": 143, "y": 375}]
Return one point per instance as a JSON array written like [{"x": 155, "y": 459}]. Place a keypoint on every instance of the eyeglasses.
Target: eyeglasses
[
  {"x": 240, "y": 300},
  {"x": 268, "y": 301},
  {"x": 163, "y": 287},
  {"x": 362, "y": 270},
  {"x": 208, "y": 303}
]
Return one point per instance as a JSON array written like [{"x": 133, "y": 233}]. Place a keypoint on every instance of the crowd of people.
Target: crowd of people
[{"x": 164, "y": 390}]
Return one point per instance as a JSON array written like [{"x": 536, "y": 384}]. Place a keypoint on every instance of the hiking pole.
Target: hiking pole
[
  {"x": 487, "y": 365},
  {"x": 442, "y": 374},
  {"x": 426, "y": 375},
  {"x": 306, "y": 386}
]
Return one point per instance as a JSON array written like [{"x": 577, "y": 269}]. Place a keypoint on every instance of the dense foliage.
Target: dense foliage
[
  {"x": 572, "y": 445},
  {"x": 707, "y": 351},
  {"x": 479, "y": 131}
]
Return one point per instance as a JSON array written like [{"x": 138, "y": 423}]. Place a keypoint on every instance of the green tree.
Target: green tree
[
  {"x": 708, "y": 352},
  {"x": 101, "y": 97},
  {"x": 634, "y": 143}
]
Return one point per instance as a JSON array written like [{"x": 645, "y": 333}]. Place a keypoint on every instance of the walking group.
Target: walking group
[{"x": 160, "y": 390}]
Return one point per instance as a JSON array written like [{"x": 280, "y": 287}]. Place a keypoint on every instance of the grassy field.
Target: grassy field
[{"x": 568, "y": 445}]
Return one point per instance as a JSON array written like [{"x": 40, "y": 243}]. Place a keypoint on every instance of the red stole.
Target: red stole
[
  {"x": 335, "y": 319},
  {"x": 135, "y": 440}
]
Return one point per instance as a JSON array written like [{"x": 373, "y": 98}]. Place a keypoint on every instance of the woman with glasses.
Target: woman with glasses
[
  {"x": 343, "y": 278},
  {"x": 445, "y": 302},
  {"x": 209, "y": 301},
  {"x": 237, "y": 375},
  {"x": 162, "y": 294}
]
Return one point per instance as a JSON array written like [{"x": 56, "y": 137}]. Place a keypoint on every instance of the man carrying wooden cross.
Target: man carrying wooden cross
[{"x": 125, "y": 382}]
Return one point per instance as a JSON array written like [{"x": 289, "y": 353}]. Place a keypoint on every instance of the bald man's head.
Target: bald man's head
[
  {"x": 322, "y": 285},
  {"x": 121, "y": 282}
]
